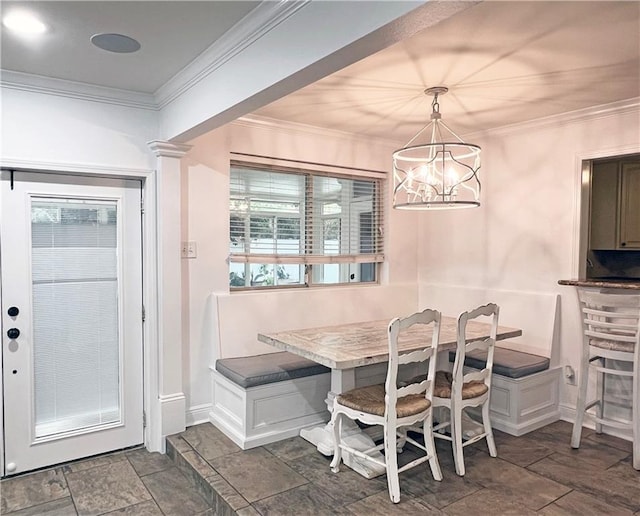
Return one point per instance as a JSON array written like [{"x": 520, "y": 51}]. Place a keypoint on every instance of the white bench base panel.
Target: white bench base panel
[
  {"x": 268, "y": 413},
  {"x": 521, "y": 405}
]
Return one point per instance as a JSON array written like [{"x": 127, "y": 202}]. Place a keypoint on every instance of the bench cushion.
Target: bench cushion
[
  {"x": 270, "y": 368},
  {"x": 506, "y": 362}
]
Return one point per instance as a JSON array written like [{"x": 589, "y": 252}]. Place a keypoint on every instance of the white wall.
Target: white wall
[
  {"x": 55, "y": 129},
  {"x": 524, "y": 237},
  {"x": 85, "y": 132},
  {"x": 208, "y": 216}
]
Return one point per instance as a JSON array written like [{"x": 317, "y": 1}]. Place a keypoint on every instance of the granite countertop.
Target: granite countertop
[{"x": 631, "y": 284}]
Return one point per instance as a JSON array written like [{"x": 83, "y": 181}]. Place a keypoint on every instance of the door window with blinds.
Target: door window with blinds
[
  {"x": 298, "y": 228},
  {"x": 75, "y": 310}
]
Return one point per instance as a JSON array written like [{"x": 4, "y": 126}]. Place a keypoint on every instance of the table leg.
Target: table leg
[{"x": 322, "y": 436}]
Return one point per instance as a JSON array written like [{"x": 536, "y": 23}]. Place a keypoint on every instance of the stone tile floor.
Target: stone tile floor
[{"x": 204, "y": 473}]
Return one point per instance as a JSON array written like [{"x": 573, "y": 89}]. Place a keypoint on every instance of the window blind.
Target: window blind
[{"x": 287, "y": 215}]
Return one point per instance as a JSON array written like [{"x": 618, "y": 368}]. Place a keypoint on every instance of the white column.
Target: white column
[{"x": 169, "y": 416}]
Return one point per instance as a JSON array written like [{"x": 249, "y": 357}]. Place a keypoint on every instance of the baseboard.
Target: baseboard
[
  {"x": 246, "y": 443},
  {"x": 526, "y": 427},
  {"x": 231, "y": 431},
  {"x": 172, "y": 413},
  {"x": 198, "y": 414}
]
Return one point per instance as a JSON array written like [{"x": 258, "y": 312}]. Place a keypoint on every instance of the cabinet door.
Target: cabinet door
[
  {"x": 604, "y": 203},
  {"x": 630, "y": 206}
]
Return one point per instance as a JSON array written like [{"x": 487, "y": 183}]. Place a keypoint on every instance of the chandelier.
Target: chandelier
[{"x": 441, "y": 174}]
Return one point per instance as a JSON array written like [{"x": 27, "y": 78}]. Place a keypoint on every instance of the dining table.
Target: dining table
[{"x": 345, "y": 347}]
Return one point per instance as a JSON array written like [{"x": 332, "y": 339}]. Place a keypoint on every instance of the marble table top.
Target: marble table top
[{"x": 352, "y": 345}]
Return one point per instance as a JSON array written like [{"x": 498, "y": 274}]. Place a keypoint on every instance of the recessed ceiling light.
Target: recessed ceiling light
[
  {"x": 24, "y": 23},
  {"x": 115, "y": 43}
]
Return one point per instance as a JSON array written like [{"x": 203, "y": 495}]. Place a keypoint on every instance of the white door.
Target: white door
[{"x": 70, "y": 249}]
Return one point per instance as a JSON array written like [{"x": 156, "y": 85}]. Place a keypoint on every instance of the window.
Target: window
[{"x": 291, "y": 227}]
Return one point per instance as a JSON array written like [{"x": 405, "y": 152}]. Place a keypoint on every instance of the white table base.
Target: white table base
[{"x": 322, "y": 436}]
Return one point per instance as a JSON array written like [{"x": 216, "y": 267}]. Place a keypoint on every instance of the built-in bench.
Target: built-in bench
[
  {"x": 266, "y": 398},
  {"x": 519, "y": 404},
  {"x": 524, "y": 389},
  {"x": 257, "y": 400},
  {"x": 258, "y": 396}
]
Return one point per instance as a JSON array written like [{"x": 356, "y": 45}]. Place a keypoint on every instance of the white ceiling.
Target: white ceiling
[
  {"x": 504, "y": 62},
  {"x": 171, "y": 35}
]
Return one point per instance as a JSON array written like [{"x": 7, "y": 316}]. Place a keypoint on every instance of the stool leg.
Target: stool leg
[
  {"x": 601, "y": 388},
  {"x": 582, "y": 399},
  {"x": 635, "y": 414}
]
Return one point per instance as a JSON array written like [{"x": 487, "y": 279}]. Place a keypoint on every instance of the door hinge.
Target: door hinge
[
  {"x": 144, "y": 314},
  {"x": 144, "y": 419}
]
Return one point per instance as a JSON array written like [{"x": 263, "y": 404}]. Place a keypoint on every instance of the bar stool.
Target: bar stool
[{"x": 611, "y": 347}]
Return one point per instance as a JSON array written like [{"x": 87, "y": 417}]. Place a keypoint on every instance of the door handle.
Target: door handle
[{"x": 13, "y": 333}]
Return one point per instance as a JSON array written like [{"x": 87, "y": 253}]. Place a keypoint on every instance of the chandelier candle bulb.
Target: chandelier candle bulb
[{"x": 440, "y": 174}]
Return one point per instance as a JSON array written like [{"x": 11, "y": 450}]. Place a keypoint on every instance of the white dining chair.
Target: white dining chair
[
  {"x": 457, "y": 391},
  {"x": 394, "y": 407},
  {"x": 611, "y": 348}
]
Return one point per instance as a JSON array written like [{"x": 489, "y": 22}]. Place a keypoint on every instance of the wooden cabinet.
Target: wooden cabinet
[
  {"x": 630, "y": 206},
  {"x": 615, "y": 205},
  {"x": 604, "y": 206}
]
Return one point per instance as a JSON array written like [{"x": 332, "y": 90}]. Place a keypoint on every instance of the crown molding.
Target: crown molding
[
  {"x": 75, "y": 90},
  {"x": 163, "y": 149},
  {"x": 570, "y": 117},
  {"x": 258, "y": 22},
  {"x": 261, "y": 20},
  {"x": 262, "y": 122},
  {"x": 582, "y": 115}
]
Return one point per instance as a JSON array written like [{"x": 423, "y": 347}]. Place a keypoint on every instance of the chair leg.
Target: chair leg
[
  {"x": 401, "y": 440},
  {"x": 456, "y": 435},
  {"x": 336, "y": 423},
  {"x": 582, "y": 400},
  {"x": 486, "y": 422},
  {"x": 391, "y": 459},
  {"x": 430, "y": 445}
]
